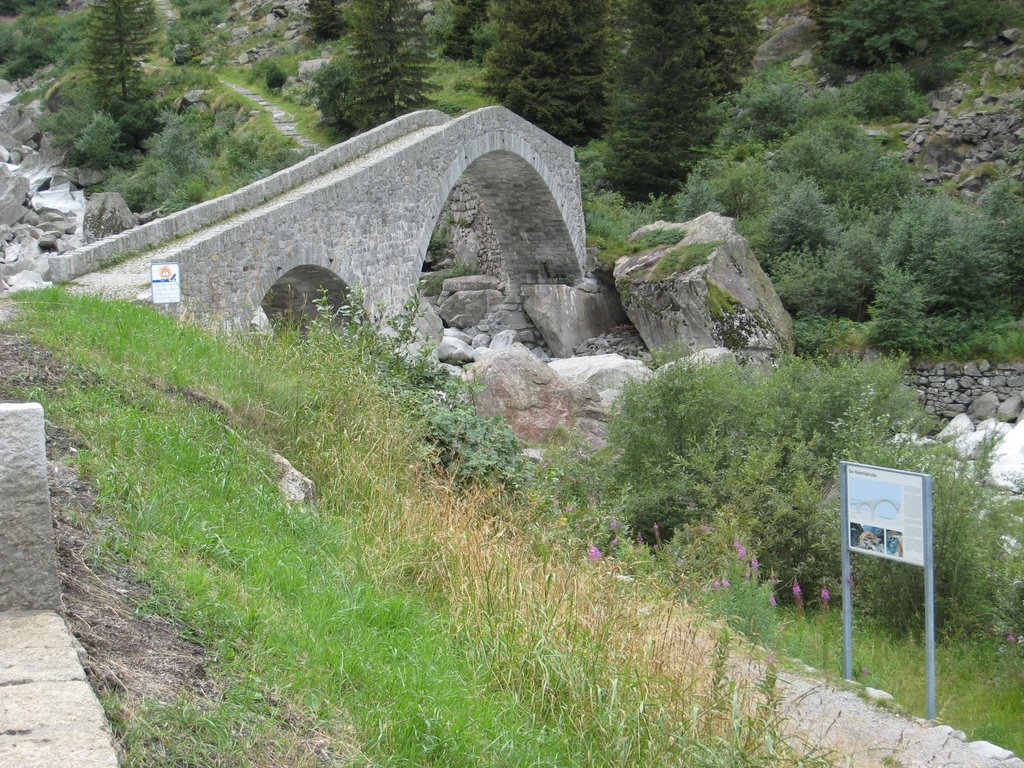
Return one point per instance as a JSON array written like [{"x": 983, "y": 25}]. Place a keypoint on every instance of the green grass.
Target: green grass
[
  {"x": 397, "y": 623},
  {"x": 307, "y": 117},
  {"x": 682, "y": 259},
  {"x": 979, "y": 684},
  {"x": 457, "y": 87}
]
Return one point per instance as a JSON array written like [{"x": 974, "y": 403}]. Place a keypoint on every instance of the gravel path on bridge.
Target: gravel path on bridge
[{"x": 130, "y": 280}]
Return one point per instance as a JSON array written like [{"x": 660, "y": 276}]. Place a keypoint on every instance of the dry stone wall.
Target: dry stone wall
[{"x": 949, "y": 389}]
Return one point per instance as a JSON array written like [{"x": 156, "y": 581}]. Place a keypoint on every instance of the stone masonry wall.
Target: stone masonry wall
[
  {"x": 948, "y": 389},
  {"x": 90, "y": 257},
  {"x": 369, "y": 222}
]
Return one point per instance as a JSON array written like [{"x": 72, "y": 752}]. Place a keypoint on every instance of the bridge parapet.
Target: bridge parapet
[{"x": 90, "y": 257}]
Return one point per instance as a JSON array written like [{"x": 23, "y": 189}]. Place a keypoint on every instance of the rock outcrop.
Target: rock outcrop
[
  {"x": 706, "y": 290},
  {"x": 568, "y": 315},
  {"x": 793, "y": 39}
]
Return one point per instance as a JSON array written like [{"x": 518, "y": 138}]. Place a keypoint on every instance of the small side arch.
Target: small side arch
[{"x": 297, "y": 295}]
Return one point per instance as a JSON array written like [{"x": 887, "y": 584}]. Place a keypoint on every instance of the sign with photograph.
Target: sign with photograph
[
  {"x": 885, "y": 512},
  {"x": 166, "y": 283}
]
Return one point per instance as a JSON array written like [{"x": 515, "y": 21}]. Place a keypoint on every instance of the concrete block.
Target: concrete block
[{"x": 28, "y": 561}]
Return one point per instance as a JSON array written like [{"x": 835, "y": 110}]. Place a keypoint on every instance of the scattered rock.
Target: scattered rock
[
  {"x": 789, "y": 41},
  {"x": 984, "y": 407},
  {"x": 107, "y": 214},
  {"x": 566, "y": 316},
  {"x": 27, "y": 281},
  {"x": 295, "y": 486},
  {"x": 607, "y": 374},
  {"x": 876, "y": 695},
  {"x": 534, "y": 400},
  {"x": 453, "y": 350}
]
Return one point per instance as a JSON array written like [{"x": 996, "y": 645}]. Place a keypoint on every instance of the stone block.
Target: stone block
[{"x": 28, "y": 562}]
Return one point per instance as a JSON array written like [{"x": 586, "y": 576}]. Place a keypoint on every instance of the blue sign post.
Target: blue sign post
[{"x": 887, "y": 513}]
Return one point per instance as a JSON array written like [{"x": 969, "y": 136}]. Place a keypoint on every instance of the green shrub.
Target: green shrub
[
  {"x": 877, "y": 33},
  {"x": 36, "y": 40},
  {"x": 899, "y": 321},
  {"x": 887, "y": 94},
  {"x": 768, "y": 108},
  {"x": 849, "y": 167},
  {"x": 706, "y": 444},
  {"x": 799, "y": 219},
  {"x": 99, "y": 143},
  {"x": 332, "y": 91},
  {"x": 696, "y": 197},
  {"x": 275, "y": 77}
]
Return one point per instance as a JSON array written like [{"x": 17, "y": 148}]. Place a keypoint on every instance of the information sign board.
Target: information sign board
[
  {"x": 166, "y": 282},
  {"x": 885, "y": 513}
]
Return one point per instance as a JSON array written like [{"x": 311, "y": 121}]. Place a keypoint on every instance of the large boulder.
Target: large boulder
[
  {"x": 466, "y": 300},
  {"x": 706, "y": 290},
  {"x": 107, "y": 214},
  {"x": 534, "y": 400},
  {"x": 608, "y": 374},
  {"x": 13, "y": 192},
  {"x": 788, "y": 42},
  {"x": 566, "y": 315}
]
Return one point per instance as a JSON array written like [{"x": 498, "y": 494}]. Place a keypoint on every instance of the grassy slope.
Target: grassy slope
[{"x": 398, "y": 622}]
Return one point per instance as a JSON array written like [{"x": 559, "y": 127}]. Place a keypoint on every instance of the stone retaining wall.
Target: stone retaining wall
[
  {"x": 88, "y": 258},
  {"x": 948, "y": 389}
]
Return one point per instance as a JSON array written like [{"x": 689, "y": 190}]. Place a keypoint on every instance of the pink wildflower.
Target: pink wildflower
[
  {"x": 725, "y": 583},
  {"x": 797, "y": 592},
  {"x": 825, "y": 596},
  {"x": 593, "y": 553},
  {"x": 772, "y": 601}
]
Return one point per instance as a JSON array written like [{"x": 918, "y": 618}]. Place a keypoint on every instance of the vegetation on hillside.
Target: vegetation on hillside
[{"x": 399, "y": 620}]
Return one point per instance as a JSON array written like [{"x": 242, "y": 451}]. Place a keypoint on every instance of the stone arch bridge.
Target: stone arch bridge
[{"x": 362, "y": 214}]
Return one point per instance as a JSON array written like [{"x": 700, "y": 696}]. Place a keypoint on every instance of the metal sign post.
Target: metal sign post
[{"x": 887, "y": 513}]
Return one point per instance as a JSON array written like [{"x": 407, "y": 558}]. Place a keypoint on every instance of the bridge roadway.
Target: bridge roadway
[{"x": 361, "y": 212}]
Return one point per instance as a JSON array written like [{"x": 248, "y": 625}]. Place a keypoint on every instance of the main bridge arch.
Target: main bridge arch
[{"x": 369, "y": 222}]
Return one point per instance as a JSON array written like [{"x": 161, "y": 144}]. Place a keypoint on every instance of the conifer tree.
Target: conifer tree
[
  {"x": 389, "y": 60},
  {"x": 548, "y": 63},
  {"x": 730, "y": 43},
  {"x": 660, "y": 94},
  {"x": 119, "y": 34},
  {"x": 326, "y": 20},
  {"x": 466, "y": 17}
]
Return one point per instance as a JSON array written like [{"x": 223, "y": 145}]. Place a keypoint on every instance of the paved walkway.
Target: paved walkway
[
  {"x": 49, "y": 715},
  {"x": 283, "y": 121}
]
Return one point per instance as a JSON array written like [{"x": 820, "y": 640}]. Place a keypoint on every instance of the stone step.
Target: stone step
[{"x": 49, "y": 715}]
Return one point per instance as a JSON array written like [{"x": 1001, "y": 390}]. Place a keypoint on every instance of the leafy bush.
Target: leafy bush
[
  {"x": 890, "y": 93},
  {"x": 848, "y": 166},
  {"x": 98, "y": 144},
  {"x": 36, "y": 40},
  {"x": 701, "y": 445},
  {"x": 275, "y": 77},
  {"x": 332, "y": 91},
  {"x": 800, "y": 219},
  {"x": 874, "y": 33},
  {"x": 767, "y": 108}
]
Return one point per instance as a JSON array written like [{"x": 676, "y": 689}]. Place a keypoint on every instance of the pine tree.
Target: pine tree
[
  {"x": 661, "y": 91},
  {"x": 389, "y": 60},
  {"x": 326, "y": 20},
  {"x": 119, "y": 34},
  {"x": 466, "y": 17},
  {"x": 548, "y": 63},
  {"x": 732, "y": 34}
]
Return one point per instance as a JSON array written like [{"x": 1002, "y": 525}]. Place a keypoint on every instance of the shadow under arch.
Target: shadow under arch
[
  {"x": 297, "y": 295},
  {"x": 528, "y": 222}
]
